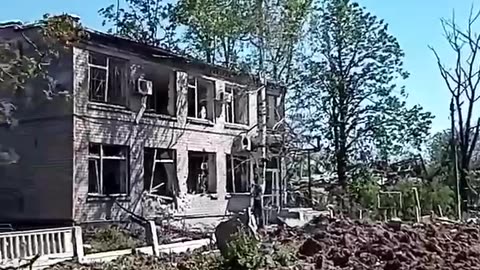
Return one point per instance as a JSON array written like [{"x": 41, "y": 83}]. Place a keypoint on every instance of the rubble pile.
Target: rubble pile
[{"x": 345, "y": 244}]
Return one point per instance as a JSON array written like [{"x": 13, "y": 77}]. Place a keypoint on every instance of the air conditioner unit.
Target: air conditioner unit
[
  {"x": 144, "y": 87},
  {"x": 204, "y": 166},
  {"x": 246, "y": 143}
]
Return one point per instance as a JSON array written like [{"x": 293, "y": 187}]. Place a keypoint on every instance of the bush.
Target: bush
[
  {"x": 243, "y": 253},
  {"x": 111, "y": 238}
]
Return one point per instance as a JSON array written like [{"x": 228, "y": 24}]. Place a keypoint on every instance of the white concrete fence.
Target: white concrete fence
[
  {"x": 51, "y": 246},
  {"x": 14, "y": 245}
]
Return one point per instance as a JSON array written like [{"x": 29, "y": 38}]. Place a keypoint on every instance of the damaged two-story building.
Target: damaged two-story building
[{"x": 139, "y": 120}]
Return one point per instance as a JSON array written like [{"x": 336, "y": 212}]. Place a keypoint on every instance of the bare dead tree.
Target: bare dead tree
[{"x": 462, "y": 80}]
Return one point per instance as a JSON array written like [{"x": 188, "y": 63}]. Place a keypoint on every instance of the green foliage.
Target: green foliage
[
  {"x": 432, "y": 195},
  {"x": 112, "y": 238},
  {"x": 284, "y": 255},
  {"x": 347, "y": 93},
  {"x": 215, "y": 29},
  {"x": 63, "y": 29},
  {"x": 201, "y": 262},
  {"x": 364, "y": 192},
  {"x": 145, "y": 21},
  {"x": 243, "y": 253}
]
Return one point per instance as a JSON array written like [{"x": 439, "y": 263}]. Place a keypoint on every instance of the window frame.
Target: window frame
[
  {"x": 212, "y": 183},
  {"x": 231, "y": 167},
  {"x": 172, "y": 160},
  {"x": 99, "y": 171},
  {"x": 152, "y": 100},
  {"x": 276, "y": 117},
  {"x": 211, "y": 102},
  {"x": 234, "y": 92},
  {"x": 106, "y": 68}
]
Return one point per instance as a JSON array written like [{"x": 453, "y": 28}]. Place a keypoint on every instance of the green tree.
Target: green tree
[
  {"x": 216, "y": 31},
  {"x": 347, "y": 91},
  {"x": 144, "y": 21},
  {"x": 279, "y": 30}
]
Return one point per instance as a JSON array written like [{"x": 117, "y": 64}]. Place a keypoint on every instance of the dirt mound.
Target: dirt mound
[{"x": 345, "y": 244}]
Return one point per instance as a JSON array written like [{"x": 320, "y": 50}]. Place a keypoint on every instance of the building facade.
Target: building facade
[{"x": 138, "y": 121}]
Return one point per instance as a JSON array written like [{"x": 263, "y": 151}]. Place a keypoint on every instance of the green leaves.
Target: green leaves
[
  {"x": 347, "y": 90},
  {"x": 145, "y": 21}
]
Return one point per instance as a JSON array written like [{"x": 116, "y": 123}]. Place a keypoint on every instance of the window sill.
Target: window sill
[
  {"x": 199, "y": 121},
  {"x": 160, "y": 116},
  {"x": 212, "y": 196},
  {"x": 101, "y": 198},
  {"x": 107, "y": 107},
  {"x": 236, "y": 126},
  {"x": 240, "y": 194}
]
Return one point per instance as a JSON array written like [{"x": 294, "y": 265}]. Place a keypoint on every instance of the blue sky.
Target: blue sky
[{"x": 415, "y": 23}]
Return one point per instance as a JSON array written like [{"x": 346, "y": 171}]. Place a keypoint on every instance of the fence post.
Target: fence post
[
  {"x": 152, "y": 237},
  {"x": 78, "y": 243}
]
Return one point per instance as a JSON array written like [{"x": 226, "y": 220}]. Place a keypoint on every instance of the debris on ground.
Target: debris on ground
[
  {"x": 346, "y": 244},
  {"x": 331, "y": 244}
]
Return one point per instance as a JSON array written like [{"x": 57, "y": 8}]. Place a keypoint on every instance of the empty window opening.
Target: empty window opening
[
  {"x": 107, "y": 79},
  {"x": 202, "y": 177},
  {"x": 107, "y": 169},
  {"x": 236, "y": 106},
  {"x": 238, "y": 174},
  {"x": 163, "y": 98},
  {"x": 201, "y": 98},
  {"x": 273, "y": 113},
  {"x": 160, "y": 171}
]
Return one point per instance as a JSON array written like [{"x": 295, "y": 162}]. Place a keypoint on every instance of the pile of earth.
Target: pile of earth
[{"x": 346, "y": 244}]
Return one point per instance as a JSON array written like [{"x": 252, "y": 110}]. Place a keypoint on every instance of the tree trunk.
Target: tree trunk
[{"x": 342, "y": 168}]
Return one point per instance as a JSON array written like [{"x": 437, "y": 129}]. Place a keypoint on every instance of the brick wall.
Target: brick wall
[{"x": 105, "y": 124}]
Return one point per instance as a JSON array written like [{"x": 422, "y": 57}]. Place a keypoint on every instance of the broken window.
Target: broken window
[
  {"x": 202, "y": 176},
  {"x": 107, "y": 169},
  {"x": 237, "y": 106},
  {"x": 107, "y": 79},
  {"x": 163, "y": 98},
  {"x": 274, "y": 115},
  {"x": 159, "y": 171},
  {"x": 238, "y": 174},
  {"x": 201, "y": 98}
]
